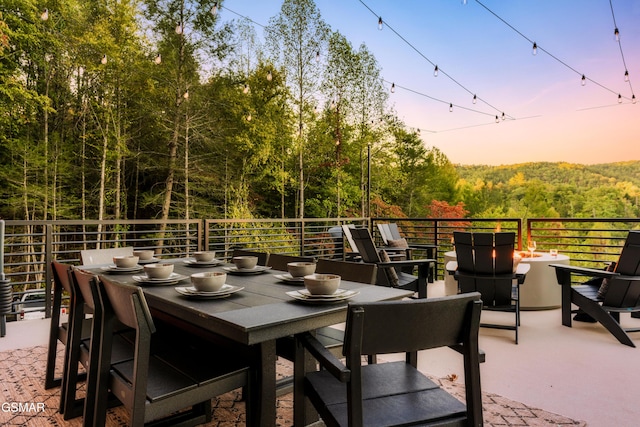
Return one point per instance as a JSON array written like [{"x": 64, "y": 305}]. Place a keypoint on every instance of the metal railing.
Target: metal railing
[{"x": 30, "y": 246}]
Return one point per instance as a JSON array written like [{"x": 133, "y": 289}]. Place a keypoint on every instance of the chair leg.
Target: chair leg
[{"x": 606, "y": 319}]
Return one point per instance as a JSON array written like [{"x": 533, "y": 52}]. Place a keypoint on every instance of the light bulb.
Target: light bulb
[
  {"x": 249, "y": 117},
  {"x": 269, "y": 76},
  {"x": 535, "y": 48},
  {"x": 450, "y": 107},
  {"x": 393, "y": 88},
  {"x": 626, "y": 75},
  {"x": 435, "y": 71},
  {"x": 616, "y": 35},
  {"x": 214, "y": 9},
  {"x": 179, "y": 29},
  {"x": 633, "y": 99},
  {"x": 583, "y": 81},
  {"x": 503, "y": 116},
  {"x": 497, "y": 119},
  {"x": 103, "y": 60},
  {"x": 380, "y": 23},
  {"x": 186, "y": 95},
  {"x": 158, "y": 59},
  {"x": 475, "y": 98},
  {"x": 318, "y": 56},
  {"x": 619, "y": 99},
  {"x": 44, "y": 15},
  {"x": 246, "y": 88}
]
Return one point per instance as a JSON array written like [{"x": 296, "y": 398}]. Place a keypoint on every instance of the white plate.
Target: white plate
[
  {"x": 225, "y": 291},
  {"x": 172, "y": 279},
  {"x": 149, "y": 261},
  {"x": 121, "y": 270},
  {"x": 246, "y": 271},
  {"x": 288, "y": 278},
  {"x": 340, "y": 295},
  {"x": 193, "y": 263}
]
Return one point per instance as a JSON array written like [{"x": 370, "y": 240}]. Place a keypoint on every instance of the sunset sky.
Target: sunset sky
[{"x": 485, "y": 48}]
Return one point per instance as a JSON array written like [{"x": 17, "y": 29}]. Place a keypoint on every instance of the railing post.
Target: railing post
[
  {"x": 302, "y": 239},
  {"x": 48, "y": 257}
]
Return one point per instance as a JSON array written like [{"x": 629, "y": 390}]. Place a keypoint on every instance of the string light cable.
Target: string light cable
[
  {"x": 616, "y": 33},
  {"x": 537, "y": 47}
]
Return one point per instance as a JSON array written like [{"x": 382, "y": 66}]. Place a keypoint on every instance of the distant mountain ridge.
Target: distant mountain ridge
[{"x": 556, "y": 173}]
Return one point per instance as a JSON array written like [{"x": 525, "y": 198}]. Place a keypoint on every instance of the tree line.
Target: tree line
[{"x": 159, "y": 109}]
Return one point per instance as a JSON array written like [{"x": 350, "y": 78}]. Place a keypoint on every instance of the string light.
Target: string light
[
  {"x": 246, "y": 88},
  {"x": 380, "y": 23},
  {"x": 249, "y": 117},
  {"x": 583, "y": 81},
  {"x": 633, "y": 99},
  {"x": 179, "y": 29},
  {"x": 503, "y": 116},
  {"x": 626, "y": 75},
  {"x": 103, "y": 60},
  {"x": 619, "y": 99},
  {"x": 158, "y": 59},
  {"x": 616, "y": 34},
  {"x": 435, "y": 71},
  {"x": 475, "y": 99},
  {"x": 186, "y": 95},
  {"x": 535, "y": 48},
  {"x": 214, "y": 9},
  {"x": 44, "y": 15},
  {"x": 269, "y": 76},
  {"x": 450, "y": 107},
  {"x": 318, "y": 56},
  {"x": 497, "y": 119},
  {"x": 393, "y": 88}
]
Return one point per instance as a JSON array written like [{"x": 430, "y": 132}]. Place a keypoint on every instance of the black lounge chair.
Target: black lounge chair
[{"x": 622, "y": 293}]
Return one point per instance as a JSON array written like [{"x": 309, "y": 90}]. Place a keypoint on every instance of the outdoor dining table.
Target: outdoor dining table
[{"x": 255, "y": 317}]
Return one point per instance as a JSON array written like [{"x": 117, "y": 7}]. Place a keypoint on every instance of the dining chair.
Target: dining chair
[
  {"x": 153, "y": 385},
  {"x": 103, "y": 256},
  {"x": 485, "y": 264},
  {"x": 263, "y": 257},
  {"x": 392, "y": 393},
  {"x": 280, "y": 261},
  {"x": 59, "y": 330},
  {"x": 391, "y": 273},
  {"x": 84, "y": 350}
]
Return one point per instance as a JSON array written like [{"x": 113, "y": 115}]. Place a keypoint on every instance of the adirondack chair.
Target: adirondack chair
[
  {"x": 394, "y": 240},
  {"x": 622, "y": 293},
  {"x": 485, "y": 264},
  {"x": 390, "y": 273}
]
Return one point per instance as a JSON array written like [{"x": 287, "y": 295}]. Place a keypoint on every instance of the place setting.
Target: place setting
[
  {"x": 203, "y": 259},
  {"x": 208, "y": 285},
  {"x": 125, "y": 264},
  {"x": 146, "y": 256},
  {"x": 322, "y": 289},
  {"x": 296, "y": 273},
  {"x": 159, "y": 274},
  {"x": 245, "y": 265}
]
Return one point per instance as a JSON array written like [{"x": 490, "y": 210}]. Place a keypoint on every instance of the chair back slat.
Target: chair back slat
[
  {"x": 128, "y": 304},
  {"x": 390, "y": 327},
  {"x": 61, "y": 276},
  {"x": 366, "y": 247},
  {"x": 352, "y": 271}
]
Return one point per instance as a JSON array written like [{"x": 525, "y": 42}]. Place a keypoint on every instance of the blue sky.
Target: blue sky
[{"x": 485, "y": 49}]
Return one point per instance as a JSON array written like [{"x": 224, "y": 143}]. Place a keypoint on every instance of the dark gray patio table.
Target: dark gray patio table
[{"x": 255, "y": 317}]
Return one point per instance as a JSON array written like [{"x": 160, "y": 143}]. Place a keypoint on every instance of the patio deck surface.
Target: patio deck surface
[{"x": 581, "y": 373}]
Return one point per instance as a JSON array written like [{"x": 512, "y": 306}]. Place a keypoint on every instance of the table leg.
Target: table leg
[{"x": 263, "y": 411}]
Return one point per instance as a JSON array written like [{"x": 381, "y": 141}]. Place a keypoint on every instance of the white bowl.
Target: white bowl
[
  {"x": 204, "y": 256},
  {"x": 125, "y": 261},
  {"x": 245, "y": 262},
  {"x": 301, "y": 269},
  {"x": 158, "y": 271},
  {"x": 322, "y": 284},
  {"x": 144, "y": 255},
  {"x": 209, "y": 281}
]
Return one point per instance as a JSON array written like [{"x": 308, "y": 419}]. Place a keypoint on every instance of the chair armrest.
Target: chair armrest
[
  {"x": 326, "y": 359},
  {"x": 406, "y": 263},
  {"x": 583, "y": 271}
]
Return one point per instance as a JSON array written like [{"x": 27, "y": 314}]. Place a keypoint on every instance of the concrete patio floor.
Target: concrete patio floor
[{"x": 583, "y": 373}]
